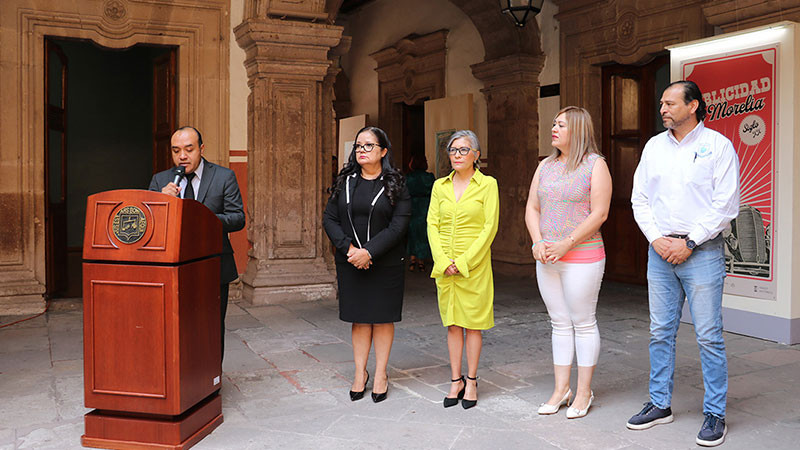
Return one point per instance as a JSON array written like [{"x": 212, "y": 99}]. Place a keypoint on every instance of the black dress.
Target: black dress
[{"x": 374, "y": 295}]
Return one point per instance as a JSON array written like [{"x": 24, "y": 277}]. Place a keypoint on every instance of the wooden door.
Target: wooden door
[
  {"x": 164, "y": 112},
  {"x": 630, "y": 119},
  {"x": 55, "y": 169}
]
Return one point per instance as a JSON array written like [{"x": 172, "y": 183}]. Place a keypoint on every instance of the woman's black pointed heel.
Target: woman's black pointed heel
[
  {"x": 377, "y": 398},
  {"x": 449, "y": 401},
  {"x": 467, "y": 404},
  {"x": 358, "y": 395}
]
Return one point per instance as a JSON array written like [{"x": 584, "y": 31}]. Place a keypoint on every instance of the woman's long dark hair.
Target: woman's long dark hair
[{"x": 393, "y": 180}]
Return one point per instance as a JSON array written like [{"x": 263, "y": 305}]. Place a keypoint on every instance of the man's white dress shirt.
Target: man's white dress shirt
[
  {"x": 687, "y": 188},
  {"x": 198, "y": 174}
]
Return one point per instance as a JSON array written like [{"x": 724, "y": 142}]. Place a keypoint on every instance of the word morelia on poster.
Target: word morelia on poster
[{"x": 717, "y": 100}]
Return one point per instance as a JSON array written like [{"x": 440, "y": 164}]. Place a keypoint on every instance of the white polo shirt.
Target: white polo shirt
[{"x": 688, "y": 188}]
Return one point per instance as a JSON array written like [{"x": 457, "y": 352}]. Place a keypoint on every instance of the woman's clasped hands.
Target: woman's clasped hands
[
  {"x": 451, "y": 269},
  {"x": 359, "y": 257},
  {"x": 551, "y": 252}
]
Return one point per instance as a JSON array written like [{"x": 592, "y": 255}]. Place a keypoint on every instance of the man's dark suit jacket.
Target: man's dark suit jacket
[{"x": 219, "y": 191}]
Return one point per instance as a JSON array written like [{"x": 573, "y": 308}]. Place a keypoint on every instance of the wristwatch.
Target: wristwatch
[{"x": 690, "y": 244}]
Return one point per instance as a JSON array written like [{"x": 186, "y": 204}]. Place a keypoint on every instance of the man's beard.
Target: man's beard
[{"x": 675, "y": 123}]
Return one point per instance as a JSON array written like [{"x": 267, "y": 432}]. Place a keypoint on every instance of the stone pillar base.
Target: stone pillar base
[
  {"x": 21, "y": 305},
  {"x": 288, "y": 282},
  {"x": 274, "y": 295}
]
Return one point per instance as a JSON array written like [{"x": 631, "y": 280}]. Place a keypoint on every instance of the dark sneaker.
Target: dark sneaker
[
  {"x": 713, "y": 431},
  {"x": 649, "y": 416}
]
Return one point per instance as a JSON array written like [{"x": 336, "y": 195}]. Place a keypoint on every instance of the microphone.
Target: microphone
[{"x": 179, "y": 171}]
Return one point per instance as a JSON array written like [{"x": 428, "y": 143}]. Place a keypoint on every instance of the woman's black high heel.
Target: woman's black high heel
[
  {"x": 358, "y": 395},
  {"x": 449, "y": 401},
  {"x": 467, "y": 404},
  {"x": 377, "y": 398}
]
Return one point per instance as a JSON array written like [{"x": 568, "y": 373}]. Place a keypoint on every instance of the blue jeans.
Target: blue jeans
[{"x": 699, "y": 279}]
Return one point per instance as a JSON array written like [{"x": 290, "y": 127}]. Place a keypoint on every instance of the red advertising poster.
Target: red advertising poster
[{"x": 739, "y": 89}]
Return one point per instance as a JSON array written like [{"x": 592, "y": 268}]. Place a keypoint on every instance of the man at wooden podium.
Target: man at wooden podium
[{"x": 212, "y": 185}]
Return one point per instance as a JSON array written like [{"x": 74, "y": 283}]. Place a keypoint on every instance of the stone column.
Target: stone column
[
  {"x": 511, "y": 87},
  {"x": 286, "y": 62},
  {"x": 330, "y": 135}
]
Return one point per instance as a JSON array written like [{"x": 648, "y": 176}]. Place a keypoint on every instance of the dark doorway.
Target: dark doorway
[
  {"x": 105, "y": 130},
  {"x": 631, "y": 96},
  {"x": 413, "y": 133}
]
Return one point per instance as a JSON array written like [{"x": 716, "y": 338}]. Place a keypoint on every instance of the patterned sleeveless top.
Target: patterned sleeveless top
[{"x": 565, "y": 202}]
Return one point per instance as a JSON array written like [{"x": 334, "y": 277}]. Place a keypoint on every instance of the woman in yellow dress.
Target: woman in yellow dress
[{"x": 462, "y": 222}]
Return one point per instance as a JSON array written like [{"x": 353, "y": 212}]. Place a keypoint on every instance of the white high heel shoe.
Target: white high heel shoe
[
  {"x": 573, "y": 413},
  {"x": 546, "y": 409}
]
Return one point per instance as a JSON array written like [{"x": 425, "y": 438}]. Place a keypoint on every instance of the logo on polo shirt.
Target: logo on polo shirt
[{"x": 704, "y": 151}]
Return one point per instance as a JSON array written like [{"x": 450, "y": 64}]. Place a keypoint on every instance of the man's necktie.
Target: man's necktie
[{"x": 189, "y": 192}]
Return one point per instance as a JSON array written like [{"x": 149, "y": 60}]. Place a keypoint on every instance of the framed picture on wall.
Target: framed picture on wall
[{"x": 443, "y": 167}]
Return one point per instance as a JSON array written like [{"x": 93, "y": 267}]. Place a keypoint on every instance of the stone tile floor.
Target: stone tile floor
[{"x": 287, "y": 371}]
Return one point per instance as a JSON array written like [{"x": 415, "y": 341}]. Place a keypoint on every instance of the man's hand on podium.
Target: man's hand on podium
[{"x": 171, "y": 189}]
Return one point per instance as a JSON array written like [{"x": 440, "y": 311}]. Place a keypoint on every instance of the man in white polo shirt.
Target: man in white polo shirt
[{"x": 685, "y": 193}]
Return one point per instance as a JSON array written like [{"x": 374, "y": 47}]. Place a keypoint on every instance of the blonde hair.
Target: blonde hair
[{"x": 581, "y": 137}]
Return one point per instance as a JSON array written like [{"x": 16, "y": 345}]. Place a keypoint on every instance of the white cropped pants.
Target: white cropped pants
[{"x": 570, "y": 291}]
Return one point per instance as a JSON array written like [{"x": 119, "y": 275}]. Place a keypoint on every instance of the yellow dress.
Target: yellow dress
[{"x": 463, "y": 231}]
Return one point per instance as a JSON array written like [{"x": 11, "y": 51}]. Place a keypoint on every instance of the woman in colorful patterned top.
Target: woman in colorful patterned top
[
  {"x": 567, "y": 203},
  {"x": 462, "y": 223}
]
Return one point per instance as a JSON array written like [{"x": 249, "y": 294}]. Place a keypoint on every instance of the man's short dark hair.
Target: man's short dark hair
[
  {"x": 199, "y": 136},
  {"x": 692, "y": 92}
]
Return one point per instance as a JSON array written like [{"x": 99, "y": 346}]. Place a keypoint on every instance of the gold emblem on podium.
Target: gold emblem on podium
[{"x": 129, "y": 224}]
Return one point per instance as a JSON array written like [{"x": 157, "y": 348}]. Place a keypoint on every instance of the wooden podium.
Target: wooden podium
[{"x": 151, "y": 321}]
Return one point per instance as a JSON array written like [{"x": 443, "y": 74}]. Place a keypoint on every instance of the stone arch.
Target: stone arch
[
  {"x": 199, "y": 28},
  {"x": 500, "y": 38}
]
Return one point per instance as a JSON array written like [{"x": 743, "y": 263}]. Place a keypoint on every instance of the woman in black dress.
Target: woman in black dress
[{"x": 366, "y": 219}]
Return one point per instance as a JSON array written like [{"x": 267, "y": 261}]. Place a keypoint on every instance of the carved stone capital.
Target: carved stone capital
[
  {"x": 509, "y": 72},
  {"x": 335, "y": 55},
  {"x": 277, "y": 47},
  {"x": 341, "y": 48},
  {"x": 293, "y": 9}
]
